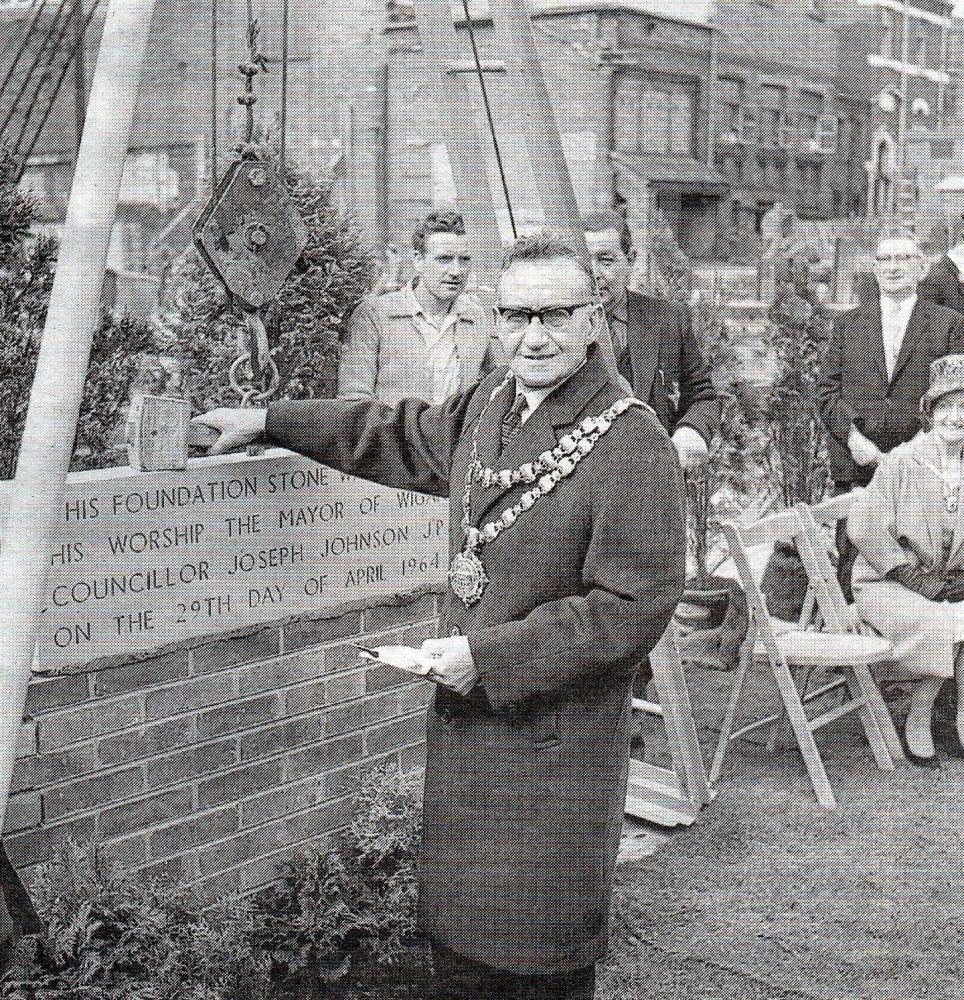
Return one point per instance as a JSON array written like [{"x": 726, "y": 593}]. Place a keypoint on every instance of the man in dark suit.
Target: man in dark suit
[
  {"x": 568, "y": 545},
  {"x": 876, "y": 370},
  {"x": 943, "y": 282},
  {"x": 654, "y": 343},
  {"x": 877, "y": 366}
]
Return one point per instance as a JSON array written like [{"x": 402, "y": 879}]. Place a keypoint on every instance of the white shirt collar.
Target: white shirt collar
[
  {"x": 536, "y": 397},
  {"x": 454, "y": 309},
  {"x": 900, "y": 307},
  {"x": 894, "y": 319}
]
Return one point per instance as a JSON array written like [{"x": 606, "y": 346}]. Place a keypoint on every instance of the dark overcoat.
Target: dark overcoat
[
  {"x": 854, "y": 388},
  {"x": 526, "y": 776},
  {"x": 942, "y": 285},
  {"x": 668, "y": 368}
]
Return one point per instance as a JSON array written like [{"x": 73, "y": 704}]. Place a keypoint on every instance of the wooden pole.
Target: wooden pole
[
  {"x": 466, "y": 153},
  {"x": 512, "y": 21},
  {"x": 36, "y": 507}
]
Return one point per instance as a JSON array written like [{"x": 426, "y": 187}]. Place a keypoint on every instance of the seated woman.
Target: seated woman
[{"x": 908, "y": 526}]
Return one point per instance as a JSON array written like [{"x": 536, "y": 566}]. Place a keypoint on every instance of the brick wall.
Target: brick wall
[{"x": 217, "y": 758}]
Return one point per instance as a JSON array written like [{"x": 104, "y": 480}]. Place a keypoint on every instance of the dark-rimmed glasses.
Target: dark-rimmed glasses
[{"x": 554, "y": 317}]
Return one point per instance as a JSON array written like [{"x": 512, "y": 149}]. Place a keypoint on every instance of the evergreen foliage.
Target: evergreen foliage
[
  {"x": 304, "y": 325},
  {"x": 26, "y": 280},
  {"x": 356, "y": 898},
  {"x": 197, "y": 324},
  {"x": 801, "y": 333},
  {"x": 112, "y": 935}
]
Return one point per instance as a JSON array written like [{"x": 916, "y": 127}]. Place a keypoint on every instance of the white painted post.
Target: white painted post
[{"x": 36, "y": 507}]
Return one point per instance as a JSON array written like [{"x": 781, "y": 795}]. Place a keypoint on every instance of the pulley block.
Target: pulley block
[{"x": 250, "y": 233}]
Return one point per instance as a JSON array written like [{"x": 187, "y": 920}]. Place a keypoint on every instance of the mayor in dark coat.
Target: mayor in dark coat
[
  {"x": 576, "y": 575},
  {"x": 656, "y": 348}
]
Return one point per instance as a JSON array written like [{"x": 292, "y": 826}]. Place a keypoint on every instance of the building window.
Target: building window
[
  {"x": 857, "y": 142},
  {"x": 810, "y": 183},
  {"x": 773, "y": 103},
  {"x": 733, "y": 170},
  {"x": 811, "y": 111},
  {"x": 652, "y": 117},
  {"x": 919, "y": 51},
  {"x": 890, "y": 34},
  {"x": 730, "y": 103}
]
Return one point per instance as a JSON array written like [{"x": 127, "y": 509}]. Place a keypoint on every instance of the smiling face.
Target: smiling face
[
  {"x": 444, "y": 267},
  {"x": 610, "y": 265},
  {"x": 898, "y": 267},
  {"x": 948, "y": 418},
  {"x": 545, "y": 350}
]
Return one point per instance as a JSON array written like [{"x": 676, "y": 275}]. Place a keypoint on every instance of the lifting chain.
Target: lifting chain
[
  {"x": 251, "y": 234},
  {"x": 256, "y": 64},
  {"x": 254, "y": 363}
]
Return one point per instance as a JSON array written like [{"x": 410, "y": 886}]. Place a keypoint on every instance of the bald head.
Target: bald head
[{"x": 898, "y": 266}]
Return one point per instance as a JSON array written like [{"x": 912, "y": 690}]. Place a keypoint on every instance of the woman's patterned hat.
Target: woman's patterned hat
[{"x": 947, "y": 375}]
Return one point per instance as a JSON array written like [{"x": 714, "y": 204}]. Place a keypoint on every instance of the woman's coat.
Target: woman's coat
[{"x": 901, "y": 518}]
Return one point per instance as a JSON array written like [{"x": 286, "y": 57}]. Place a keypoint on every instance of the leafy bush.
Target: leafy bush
[
  {"x": 196, "y": 324},
  {"x": 113, "y": 366},
  {"x": 113, "y": 937},
  {"x": 358, "y": 898},
  {"x": 26, "y": 280},
  {"x": 304, "y": 325},
  {"x": 801, "y": 333}
]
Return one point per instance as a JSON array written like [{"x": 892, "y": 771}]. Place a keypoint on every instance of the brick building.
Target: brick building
[
  {"x": 709, "y": 114},
  {"x": 876, "y": 53}
]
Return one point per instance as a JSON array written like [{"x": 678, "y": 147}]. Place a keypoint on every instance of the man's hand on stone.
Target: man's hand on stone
[
  {"x": 691, "y": 447},
  {"x": 451, "y": 663},
  {"x": 236, "y": 427},
  {"x": 862, "y": 449}
]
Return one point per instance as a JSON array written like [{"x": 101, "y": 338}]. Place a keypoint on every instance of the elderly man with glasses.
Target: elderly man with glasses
[
  {"x": 568, "y": 550},
  {"x": 877, "y": 369},
  {"x": 878, "y": 364}
]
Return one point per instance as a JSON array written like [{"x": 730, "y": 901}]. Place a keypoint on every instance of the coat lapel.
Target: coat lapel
[
  {"x": 923, "y": 495},
  {"x": 870, "y": 348},
  {"x": 918, "y": 329},
  {"x": 644, "y": 333},
  {"x": 539, "y": 433}
]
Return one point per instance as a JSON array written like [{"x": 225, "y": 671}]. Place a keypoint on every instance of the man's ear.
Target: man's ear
[{"x": 418, "y": 263}]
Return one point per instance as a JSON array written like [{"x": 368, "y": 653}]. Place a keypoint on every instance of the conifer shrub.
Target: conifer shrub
[
  {"x": 335, "y": 909},
  {"x": 304, "y": 325}
]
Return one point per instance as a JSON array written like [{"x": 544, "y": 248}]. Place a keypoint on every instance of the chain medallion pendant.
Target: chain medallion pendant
[{"x": 467, "y": 577}]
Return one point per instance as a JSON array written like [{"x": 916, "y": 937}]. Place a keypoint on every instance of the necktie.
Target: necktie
[{"x": 512, "y": 421}]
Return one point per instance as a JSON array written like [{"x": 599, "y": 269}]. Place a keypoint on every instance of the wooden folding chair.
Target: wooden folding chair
[
  {"x": 793, "y": 654},
  {"x": 669, "y": 796},
  {"x": 835, "y": 614}
]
